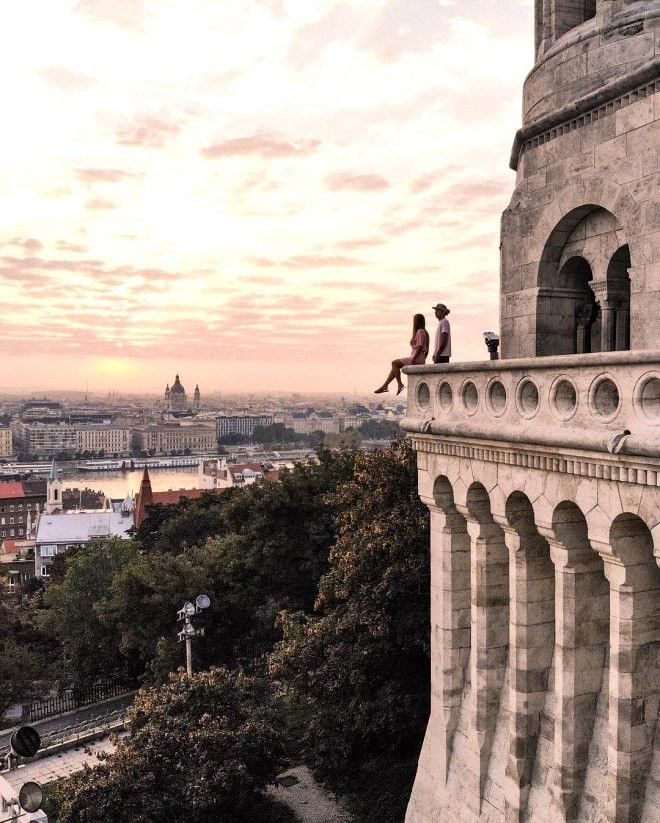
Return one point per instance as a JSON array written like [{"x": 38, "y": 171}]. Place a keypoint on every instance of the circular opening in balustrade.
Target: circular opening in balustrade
[
  {"x": 445, "y": 396},
  {"x": 563, "y": 398},
  {"x": 527, "y": 397},
  {"x": 496, "y": 397},
  {"x": 423, "y": 396},
  {"x": 604, "y": 398},
  {"x": 646, "y": 397},
  {"x": 470, "y": 397}
]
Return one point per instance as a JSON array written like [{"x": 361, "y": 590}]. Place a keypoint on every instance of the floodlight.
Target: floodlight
[
  {"x": 30, "y": 797},
  {"x": 203, "y": 601},
  {"x": 25, "y": 742},
  {"x": 189, "y": 608},
  {"x": 189, "y": 629}
]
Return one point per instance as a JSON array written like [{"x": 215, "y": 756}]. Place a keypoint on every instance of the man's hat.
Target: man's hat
[{"x": 440, "y": 306}]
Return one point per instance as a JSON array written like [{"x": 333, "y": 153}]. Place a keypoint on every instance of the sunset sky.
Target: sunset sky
[{"x": 256, "y": 194}]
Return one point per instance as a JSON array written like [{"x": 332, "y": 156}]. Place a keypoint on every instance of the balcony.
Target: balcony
[{"x": 607, "y": 403}]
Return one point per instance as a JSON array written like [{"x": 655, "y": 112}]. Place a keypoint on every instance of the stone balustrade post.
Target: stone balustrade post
[
  {"x": 531, "y": 646},
  {"x": 634, "y": 682},
  {"x": 581, "y": 601},
  {"x": 450, "y": 649},
  {"x": 489, "y": 636}
]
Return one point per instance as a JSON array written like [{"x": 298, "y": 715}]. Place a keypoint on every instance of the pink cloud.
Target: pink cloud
[
  {"x": 260, "y": 144},
  {"x": 100, "y": 204},
  {"x": 316, "y": 261},
  {"x": 147, "y": 131},
  {"x": 127, "y": 14},
  {"x": 30, "y": 244},
  {"x": 102, "y": 175},
  {"x": 65, "y": 80},
  {"x": 344, "y": 181},
  {"x": 361, "y": 243}
]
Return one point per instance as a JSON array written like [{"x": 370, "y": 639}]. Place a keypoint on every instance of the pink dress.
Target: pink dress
[{"x": 421, "y": 346}]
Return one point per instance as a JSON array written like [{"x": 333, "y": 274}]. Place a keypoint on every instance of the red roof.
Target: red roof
[
  {"x": 165, "y": 498},
  {"x": 8, "y": 490},
  {"x": 175, "y": 495}
]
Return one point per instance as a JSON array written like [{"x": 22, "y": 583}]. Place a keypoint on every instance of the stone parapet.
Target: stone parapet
[{"x": 604, "y": 403}]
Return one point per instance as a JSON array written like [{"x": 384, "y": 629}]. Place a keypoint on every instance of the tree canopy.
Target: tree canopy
[
  {"x": 200, "y": 748},
  {"x": 362, "y": 661}
]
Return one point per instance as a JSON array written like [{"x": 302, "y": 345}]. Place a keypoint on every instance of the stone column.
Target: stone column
[
  {"x": 608, "y": 327},
  {"x": 622, "y": 328},
  {"x": 490, "y": 635},
  {"x": 581, "y": 605},
  {"x": 450, "y": 652},
  {"x": 634, "y": 682},
  {"x": 531, "y": 646}
]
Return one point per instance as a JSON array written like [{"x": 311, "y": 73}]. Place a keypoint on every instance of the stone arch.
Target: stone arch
[
  {"x": 583, "y": 301},
  {"x": 443, "y": 494}
]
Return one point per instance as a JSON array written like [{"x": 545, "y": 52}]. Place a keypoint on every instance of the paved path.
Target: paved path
[
  {"x": 58, "y": 728},
  {"x": 64, "y": 764},
  {"x": 303, "y": 795}
]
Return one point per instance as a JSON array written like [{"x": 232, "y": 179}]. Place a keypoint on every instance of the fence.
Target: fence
[{"x": 70, "y": 699}]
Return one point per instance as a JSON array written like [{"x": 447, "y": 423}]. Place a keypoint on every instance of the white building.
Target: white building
[
  {"x": 243, "y": 424},
  {"x": 216, "y": 473},
  {"x": 60, "y": 531}
]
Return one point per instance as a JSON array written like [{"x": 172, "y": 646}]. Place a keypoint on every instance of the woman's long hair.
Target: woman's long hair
[{"x": 419, "y": 322}]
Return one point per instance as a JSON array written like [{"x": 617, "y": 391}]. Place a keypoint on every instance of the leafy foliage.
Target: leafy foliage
[
  {"x": 74, "y": 606},
  {"x": 198, "y": 749},
  {"x": 362, "y": 661},
  {"x": 23, "y": 653}
]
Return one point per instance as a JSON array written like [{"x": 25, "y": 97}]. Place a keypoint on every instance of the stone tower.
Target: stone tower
[
  {"x": 197, "y": 399},
  {"x": 542, "y": 470},
  {"x": 53, "y": 490}
]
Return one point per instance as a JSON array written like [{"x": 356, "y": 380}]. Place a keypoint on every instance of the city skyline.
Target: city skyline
[{"x": 259, "y": 196}]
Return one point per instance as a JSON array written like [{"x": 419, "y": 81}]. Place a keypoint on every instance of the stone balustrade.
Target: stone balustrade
[{"x": 601, "y": 402}]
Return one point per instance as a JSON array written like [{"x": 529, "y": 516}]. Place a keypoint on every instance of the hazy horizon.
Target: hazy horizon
[{"x": 258, "y": 196}]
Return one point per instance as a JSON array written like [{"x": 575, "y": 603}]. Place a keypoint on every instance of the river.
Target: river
[{"x": 117, "y": 484}]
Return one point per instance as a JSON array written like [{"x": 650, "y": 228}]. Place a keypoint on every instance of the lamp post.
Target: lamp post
[
  {"x": 188, "y": 631},
  {"x": 492, "y": 344}
]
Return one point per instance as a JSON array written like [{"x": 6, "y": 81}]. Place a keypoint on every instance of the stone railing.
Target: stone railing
[{"x": 599, "y": 402}]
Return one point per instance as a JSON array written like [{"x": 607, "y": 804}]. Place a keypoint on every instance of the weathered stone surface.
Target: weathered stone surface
[{"x": 545, "y": 498}]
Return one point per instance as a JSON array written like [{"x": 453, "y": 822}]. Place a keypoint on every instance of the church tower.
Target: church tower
[
  {"x": 53, "y": 490},
  {"x": 167, "y": 397},
  {"x": 197, "y": 402},
  {"x": 541, "y": 471}
]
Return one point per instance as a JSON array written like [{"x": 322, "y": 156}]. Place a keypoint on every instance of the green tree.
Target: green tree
[
  {"x": 349, "y": 439},
  {"x": 89, "y": 647},
  {"x": 254, "y": 551},
  {"x": 380, "y": 430},
  {"x": 198, "y": 749},
  {"x": 277, "y": 433},
  {"x": 361, "y": 663},
  {"x": 23, "y": 654}
]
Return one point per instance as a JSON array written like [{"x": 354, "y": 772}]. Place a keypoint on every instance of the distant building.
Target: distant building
[
  {"x": 109, "y": 439},
  {"x": 44, "y": 439},
  {"x": 168, "y": 438},
  {"x": 176, "y": 399},
  {"x": 16, "y": 566},
  {"x": 216, "y": 473},
  {"x": 241, "y": 424},
  {"x": 197, "y": 400},
  {"x": 20, "y": 503},
  {"x": 6, "y": 442}
]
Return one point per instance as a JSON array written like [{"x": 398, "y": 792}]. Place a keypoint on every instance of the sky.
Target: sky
[{"x": 258, "y": 195}]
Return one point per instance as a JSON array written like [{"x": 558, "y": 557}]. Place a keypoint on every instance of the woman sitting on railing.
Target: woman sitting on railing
[{"x": 420, "y": 350}]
